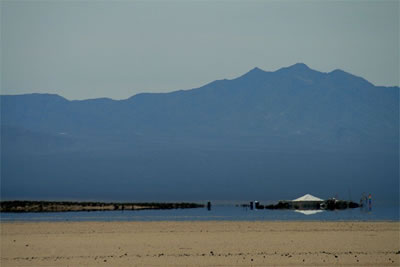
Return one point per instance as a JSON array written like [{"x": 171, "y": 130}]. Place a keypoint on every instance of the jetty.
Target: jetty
[{"x": 64, "y": 206}]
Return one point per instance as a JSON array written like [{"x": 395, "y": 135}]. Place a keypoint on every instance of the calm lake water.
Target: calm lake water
[{"x": 217, "y": 213}]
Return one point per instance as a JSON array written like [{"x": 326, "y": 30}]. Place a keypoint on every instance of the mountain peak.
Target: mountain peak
[
  {"x": 255, "y": 72},
  {"x": 342, "y": 75},
  {"x": 338, "y": 71},
  {"x": 256, "y": 69},
  {"x": 298, "y": 66}
]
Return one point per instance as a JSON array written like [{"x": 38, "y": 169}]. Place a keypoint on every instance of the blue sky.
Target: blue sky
[{"x": 90, "y": 49}]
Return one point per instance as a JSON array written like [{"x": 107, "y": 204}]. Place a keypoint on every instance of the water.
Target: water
[{"x": 217, "y": 213}]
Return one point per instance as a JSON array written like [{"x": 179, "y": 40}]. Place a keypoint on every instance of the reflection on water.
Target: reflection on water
[
  {"x": 309, "y": 212},
  {"x": 217, "y": 212}
]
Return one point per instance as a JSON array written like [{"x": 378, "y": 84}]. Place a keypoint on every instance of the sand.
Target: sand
[{"x": 200, "y": 243}]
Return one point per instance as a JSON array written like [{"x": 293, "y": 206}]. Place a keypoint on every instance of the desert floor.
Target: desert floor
[{"x": 200, "y": 243}]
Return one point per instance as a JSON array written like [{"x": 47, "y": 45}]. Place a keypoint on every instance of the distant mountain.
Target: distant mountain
[{"x": 262, "y": 128}]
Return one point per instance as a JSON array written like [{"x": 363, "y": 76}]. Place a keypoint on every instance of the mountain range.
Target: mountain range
[{"x": 264, "y": 135}]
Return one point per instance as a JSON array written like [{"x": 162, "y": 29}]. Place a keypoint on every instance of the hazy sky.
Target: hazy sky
[{"x": 89, "y": 49}]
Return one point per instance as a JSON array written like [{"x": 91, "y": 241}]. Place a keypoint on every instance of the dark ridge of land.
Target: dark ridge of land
[
  {"x": 330, "y": 204},
  {"x": 64, "y": 206}
]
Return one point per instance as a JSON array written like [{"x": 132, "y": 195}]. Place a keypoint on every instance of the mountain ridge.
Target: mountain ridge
[
  {"x": 295, "y": 66},
  {"x": 294, "y": 128}
]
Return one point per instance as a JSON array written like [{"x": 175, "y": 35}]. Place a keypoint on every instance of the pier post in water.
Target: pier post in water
[{"x": 370, "y": 202}]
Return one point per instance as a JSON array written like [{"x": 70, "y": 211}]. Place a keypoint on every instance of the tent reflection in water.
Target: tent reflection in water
[
  {"x": 309, "y": 212},
  {"x": 306, "y": 202}
]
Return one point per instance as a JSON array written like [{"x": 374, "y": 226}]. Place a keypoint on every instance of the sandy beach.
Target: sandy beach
[{"x": 200, "y": 243}]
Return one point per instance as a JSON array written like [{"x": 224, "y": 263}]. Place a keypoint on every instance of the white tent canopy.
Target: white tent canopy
[{"x": 308, "y": 197}]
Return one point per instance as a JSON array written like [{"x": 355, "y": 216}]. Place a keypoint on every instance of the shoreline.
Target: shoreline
[
  {"x": 200, "y": 221},
  {"x": 200, "y": 243}
]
